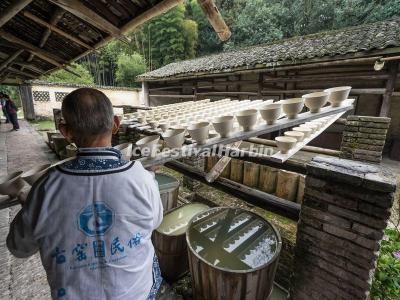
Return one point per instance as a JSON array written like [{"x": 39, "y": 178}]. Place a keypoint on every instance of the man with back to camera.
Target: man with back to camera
[{"x": 92, "y": 218}]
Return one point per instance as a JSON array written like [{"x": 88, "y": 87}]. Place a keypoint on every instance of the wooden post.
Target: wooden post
[
  {"x": 25, "y": 92},
  {"x": 267, "y": 181},
  {"x": 145, "y": 91},
  {"x": 251, "y": 173},
  {"x": 226, "y": 173},
  {"x": 390, "y": 85},
  {"x": 214, "y": 16},
  {"x": 237, "y": 170},
  {"x": 11, "y": 10},
  {"x": 287, "y": 185}
]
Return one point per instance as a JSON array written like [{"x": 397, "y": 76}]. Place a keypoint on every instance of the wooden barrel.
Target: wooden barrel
[
  {"x": 226, "y": 173},
  {"x": 211, "y": 161},
  {"x": 237, "y": 170},
  {"x": 287, "y": 185},
  {"x": 267, "y": 180},
  {"x": 222, "y": 270},
  {"x": 251, "y": 173},
  {"x": 169, "y": 190},
  {"x": 301, "y": 188},
  {"x": 170, "y": 241}
]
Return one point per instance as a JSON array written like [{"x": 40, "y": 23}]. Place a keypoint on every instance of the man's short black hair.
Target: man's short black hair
[{"x": 87, "y": 112}]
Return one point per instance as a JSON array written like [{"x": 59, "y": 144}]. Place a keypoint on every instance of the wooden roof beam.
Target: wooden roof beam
[
  {"x": 51, "y": 27},
  {"x": 10, "y": 59},
  {"x": 83, "y": 12},
  {"x": 15, "y": 7},
  {"x": 54, "y": 60},
  {"x": 215, "y": 18}
]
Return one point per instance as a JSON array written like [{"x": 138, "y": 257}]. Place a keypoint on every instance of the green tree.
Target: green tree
[
  {"x": 128, "y": 67},
  {"x": 13, "y": 92},
  {"x": 63, "y": 76}
]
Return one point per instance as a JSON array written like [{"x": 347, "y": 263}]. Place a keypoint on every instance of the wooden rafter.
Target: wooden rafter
[
  {"x": 215, "y": 18},
  {"x": 15, "y": 7},
  {"x": 51, "y": 27},
  {"x": 10, "y": 59},
  {"x": 83, "y": 12},
  {"x": 49, "y": 57}
]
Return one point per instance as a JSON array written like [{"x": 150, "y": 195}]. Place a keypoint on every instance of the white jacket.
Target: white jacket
[{"x": 92, "y": 220}]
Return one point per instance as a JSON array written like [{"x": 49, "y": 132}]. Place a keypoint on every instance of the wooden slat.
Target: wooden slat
[
  {"x": 15, "y": 7},
  {"x": 78, "y": 9},
  {"x": 174, "y": 96},
  {"x": 280, "y": 157},
  {"x": 189, "y": 150},
  {"x": 10, "y": 59},
  {"x": 57, "y": 30},
  {"x": 51, "y": 58}
]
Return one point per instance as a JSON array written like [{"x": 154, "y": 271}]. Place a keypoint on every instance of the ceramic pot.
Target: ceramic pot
[
  {"x": 307, "y": 131},
  {"x": 141, "y": 119},
  {"x": 164, "y": 126},
  {"x": 199, "y": 132},
  {"x": 126, "y": 150},
  {"x": 271, "y": 112},
  {"x": 285, "y": 143},
  {"x": 174, "y": 138},
  {"x": 299, "y": 136},
  {"x": 338, "y": 94},
  {"x": 292, "y": 107},
  {"x": 148, "y": 145},
  {"x": 11, "y": 184},
  {"x": 314, "y": 101},
  {"x": 35, "y": 173},
  {"x": 247, "y": 119},
  {"x": 223, "y": 125}
]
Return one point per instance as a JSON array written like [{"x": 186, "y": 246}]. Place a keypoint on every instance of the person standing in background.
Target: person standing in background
[
  {"x": 11, "y": 110},
  {"x": 3, "y": 106}
]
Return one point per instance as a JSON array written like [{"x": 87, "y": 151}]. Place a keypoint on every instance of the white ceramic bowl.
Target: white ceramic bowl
[
  {"x": 299, "y": 136},
  {"x": 314, "y": 101},
  {"x": 148, "y": 145},
  {"x": 338, "y": 94},
  {"x": 223, "y": 125},
  {"x": 247, "y": 119},
  {"x": 307, "y": 131},
  {"x": 292, "y": 107},
  {"x": 11, "y": 184},
  {"x": 126, "y": 150},
  {"x": 285, "y": 143},
  {"x": 174, "y": 138},
  {"x": 35, "y": 173},
  {"x": 164, "y": 126},
  {"x": 199, "y": 132},
  {"x": 271, "y": 112}
]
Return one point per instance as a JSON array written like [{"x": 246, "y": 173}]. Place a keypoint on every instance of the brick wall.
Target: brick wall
[
  {"x": 364, "y": 138},
  {"x": 344, "y": 212}
]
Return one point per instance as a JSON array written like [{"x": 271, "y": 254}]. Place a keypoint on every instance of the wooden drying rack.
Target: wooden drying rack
[{"x": 283, "y": 123}]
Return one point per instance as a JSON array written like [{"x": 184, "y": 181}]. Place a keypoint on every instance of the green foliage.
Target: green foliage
[
  {"x": 63, "y": 76},
  {"x": 128, "y": 67},
  {"x": 13, "y": 92},
  {"x": 386, "y": 284}
]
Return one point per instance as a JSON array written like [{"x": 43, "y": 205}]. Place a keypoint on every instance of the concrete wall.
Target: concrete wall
[{"x": 45, "y": 108}]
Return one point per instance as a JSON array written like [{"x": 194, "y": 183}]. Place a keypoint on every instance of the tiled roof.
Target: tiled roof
[{"x": 361, "y": 38}]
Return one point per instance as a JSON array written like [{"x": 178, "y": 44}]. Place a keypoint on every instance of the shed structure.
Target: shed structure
[{"x": 364, "y": 57}]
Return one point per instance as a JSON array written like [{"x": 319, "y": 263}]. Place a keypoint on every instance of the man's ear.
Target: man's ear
[
  {"x": 66, "y": 133},
  {"x": 115, "y": 125}
]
